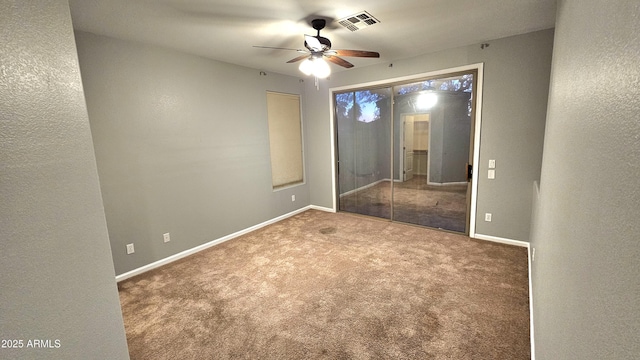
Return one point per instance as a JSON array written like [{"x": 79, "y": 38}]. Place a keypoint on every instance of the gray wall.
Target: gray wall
[
  {"x": 57, "y": 278},
  {"x": 586, "y": 273},
  {"x": 516, "y": 85},
  {"x": 182, "y": 146}
]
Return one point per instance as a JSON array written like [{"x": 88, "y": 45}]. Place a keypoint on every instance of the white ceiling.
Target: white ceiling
[{"x": 227, "y": 30}]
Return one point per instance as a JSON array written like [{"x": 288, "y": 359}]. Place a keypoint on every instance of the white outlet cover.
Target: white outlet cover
[
  {"x": 166, "y": 237},
  {"x": 130, "y": 249},
  {"x": 491, "y": 174},
  {"x": 487, "y": 217},
  {"x": 492, "y": 164}
]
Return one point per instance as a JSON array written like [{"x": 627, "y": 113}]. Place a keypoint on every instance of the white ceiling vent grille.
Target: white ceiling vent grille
[{"x": 358, "y": 21}]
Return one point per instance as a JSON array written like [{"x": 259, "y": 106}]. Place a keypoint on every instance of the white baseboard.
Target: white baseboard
[
  {"x": 321, "y": 208},
  {"x": 204, "y": 246},
  {"x": 531, "y": 333},
  {"x": 363, "y": 187},
  {"x": 447, "y": 183},
  {"x": 501, "y": 240}
]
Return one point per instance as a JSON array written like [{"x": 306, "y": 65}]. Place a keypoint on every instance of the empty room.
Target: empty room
[{"x": 333, "y": 180}]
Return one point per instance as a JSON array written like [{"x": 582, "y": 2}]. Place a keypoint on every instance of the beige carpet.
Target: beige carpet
[
  {"x": 334, "y": 286},
  {"x": 414, "y": 202}
]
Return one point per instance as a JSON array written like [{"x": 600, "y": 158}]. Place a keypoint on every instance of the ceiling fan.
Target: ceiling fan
[{"x": 318, "y": 48}]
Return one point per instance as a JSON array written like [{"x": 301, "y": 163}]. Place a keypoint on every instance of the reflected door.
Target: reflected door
[{"x": 407, "y": 148}]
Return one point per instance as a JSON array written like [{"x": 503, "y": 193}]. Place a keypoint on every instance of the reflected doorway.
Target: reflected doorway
[
  {"x": 403, "y": 151},
  {"x": 414, "y": 145}
]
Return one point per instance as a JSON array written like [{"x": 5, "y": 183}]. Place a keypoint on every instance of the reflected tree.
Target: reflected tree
[{"x": 360, "y": 105}]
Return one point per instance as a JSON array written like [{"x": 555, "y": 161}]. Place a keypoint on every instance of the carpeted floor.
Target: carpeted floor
[
  {"x": 334, "y": 286},
  {"x": 414, "y": 202}
]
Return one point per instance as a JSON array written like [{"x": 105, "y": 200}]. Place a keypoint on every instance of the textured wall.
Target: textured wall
[
  {"x": 516, "y": 81},
  {"x": 57, "y": 275},
  {"x": 587, "y": 268},
  {"x": 182, "y": 146},
  {"x": 514, "y": 108}
]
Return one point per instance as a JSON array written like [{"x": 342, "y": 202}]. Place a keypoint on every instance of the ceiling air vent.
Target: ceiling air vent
[{"x": 358, "y": 21}]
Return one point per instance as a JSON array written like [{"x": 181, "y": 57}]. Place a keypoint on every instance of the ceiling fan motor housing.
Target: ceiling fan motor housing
[
  {"x": 318, "y": 24},
  {"x": 326, "y": 44}
]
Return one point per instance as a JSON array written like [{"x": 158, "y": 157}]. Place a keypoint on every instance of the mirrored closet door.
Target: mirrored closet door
[{"x": 403, "y": 151}]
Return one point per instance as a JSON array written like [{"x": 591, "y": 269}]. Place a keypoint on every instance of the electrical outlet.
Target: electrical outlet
[
  {"x": 492, "y": 164},
  {"x": 487, "y": 217},
  {"x": 167, "y": 237},
  {"x": 491, "y": 174},
  {"x": 293, "y": 198},
  {"x": 130, "y": 249}
]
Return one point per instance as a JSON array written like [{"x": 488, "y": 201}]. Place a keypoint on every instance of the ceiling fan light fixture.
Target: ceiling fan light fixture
[
  {"x": 306, "y": 67},
  {"x": 321, "y": 69},
  {"x": 315, "y": 66}
]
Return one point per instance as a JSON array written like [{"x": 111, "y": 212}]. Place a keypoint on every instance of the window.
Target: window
[{"x": 285, "y": 139}]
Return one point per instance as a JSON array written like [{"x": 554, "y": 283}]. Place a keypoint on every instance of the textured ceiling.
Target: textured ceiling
[{"x": 227, "y": 30}]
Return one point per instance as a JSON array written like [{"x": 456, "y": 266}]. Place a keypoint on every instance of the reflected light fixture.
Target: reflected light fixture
[
  {"x": 426, "y": 101},
  {"x": 315, "y": 66}
]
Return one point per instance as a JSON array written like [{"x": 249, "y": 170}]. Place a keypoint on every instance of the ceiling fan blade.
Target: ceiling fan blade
[
  {"x": 298, "y": 58},
  {"x": 358, "y": 53},
  {"x": 278, "y": 48},
  {"x": 339, "y": 61},
  {"x": 313, "y": 43}
]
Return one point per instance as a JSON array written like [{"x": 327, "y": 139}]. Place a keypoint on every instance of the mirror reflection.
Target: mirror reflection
[{"x": 403, "y": 151}]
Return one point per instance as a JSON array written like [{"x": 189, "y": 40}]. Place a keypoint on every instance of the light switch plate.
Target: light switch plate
[
  {"x": 491, "y": 174},
  {"x": 492, "y": 164}
]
